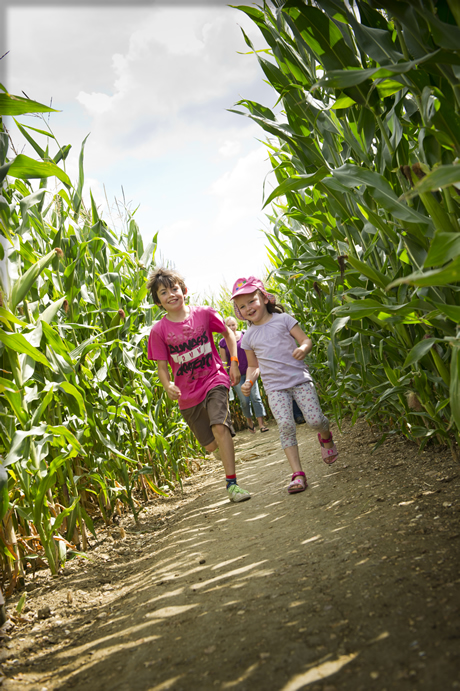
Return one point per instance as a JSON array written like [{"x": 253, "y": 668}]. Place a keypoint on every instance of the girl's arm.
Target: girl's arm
[
  {"x": 252, "y": 373},
  {"x": 305, "y": 343},
  {"x": 230, "y": 340},
  {"x": 171, "y": 389}
]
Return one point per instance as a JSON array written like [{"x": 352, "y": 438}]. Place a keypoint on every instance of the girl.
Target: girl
[
  {"x": 254, "y": 396},
  {"x": 270, "y": 344}
]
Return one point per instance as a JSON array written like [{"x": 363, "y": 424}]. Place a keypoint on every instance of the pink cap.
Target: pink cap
[{"x": 243, "y": 286}]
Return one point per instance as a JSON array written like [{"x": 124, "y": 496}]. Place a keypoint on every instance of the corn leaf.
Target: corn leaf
[
  {"x": 16, "y": 105},
  {"x": 27, "y": 169},
  {"x": 437, "y": 277},
  {"x": 442, "y": 176},
  {"x": 455, "y": 385},
  {"x": 419, "y": 350},
  {"x": 23, "y": 285},
  {"x": 18, "y": 343}
]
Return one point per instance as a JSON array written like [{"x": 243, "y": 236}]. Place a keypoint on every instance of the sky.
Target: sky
[{"x": 152, "y": 84}]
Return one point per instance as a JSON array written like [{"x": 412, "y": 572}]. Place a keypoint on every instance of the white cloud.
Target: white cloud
[
  {"x": 225, "y": 241},
  {"x": 154, "y": 94},
  {"x": 70, "y": 48},
  {"x": 95, "y": 103},
  {"x": 175, "y": 77},
  {"x": 177, "y": 229},
  {"x": 230, "y": 148},
  {"x": 239, "y": 190}
]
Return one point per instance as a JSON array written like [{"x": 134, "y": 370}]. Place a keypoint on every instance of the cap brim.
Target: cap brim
[{"x": 245, "y": 290}]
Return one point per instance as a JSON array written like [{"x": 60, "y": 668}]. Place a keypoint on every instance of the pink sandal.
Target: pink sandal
[
  {"x": 329, "y": 455},
  {"x": 298, "y": 483}
]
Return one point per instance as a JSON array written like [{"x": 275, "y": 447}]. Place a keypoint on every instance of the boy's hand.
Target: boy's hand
[
  {"x": 235, "y": 374},
  {"x": 299, "y": 353},
  {"x": 173, "y": 391},
  {"x": 246, "y": 388}
]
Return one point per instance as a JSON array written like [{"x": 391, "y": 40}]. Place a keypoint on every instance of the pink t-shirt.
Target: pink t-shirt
[{"x": 189, "y": 348}]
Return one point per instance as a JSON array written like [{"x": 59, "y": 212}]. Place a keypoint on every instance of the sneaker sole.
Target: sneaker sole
[{"x": 239, "y": 498}]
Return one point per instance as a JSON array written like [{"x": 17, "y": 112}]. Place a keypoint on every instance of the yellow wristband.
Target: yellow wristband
[{"x": 234, "y": 359}]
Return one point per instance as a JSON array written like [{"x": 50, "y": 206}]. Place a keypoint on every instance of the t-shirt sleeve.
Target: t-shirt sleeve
[
  {"x": 289, "y": 320},
  {"x": 156, "y": 349},
  {"x": 222, "y": 343},
  {"x": 216, "y": 323},
  {"x": 245, "y": 341}
]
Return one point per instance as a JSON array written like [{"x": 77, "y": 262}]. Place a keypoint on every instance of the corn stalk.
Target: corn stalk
[{"x": 364, "y": 238}]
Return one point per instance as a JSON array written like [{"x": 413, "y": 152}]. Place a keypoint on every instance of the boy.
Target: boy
[{"x": 183, "y": 338}]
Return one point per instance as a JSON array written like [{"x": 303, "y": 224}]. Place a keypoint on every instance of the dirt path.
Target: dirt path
[{"x": 351, "y": 585}]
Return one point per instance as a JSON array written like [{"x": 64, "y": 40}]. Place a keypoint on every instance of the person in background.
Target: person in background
[
  {"x": 298, "y": 417},
  {"x": 254, "y": 396}
]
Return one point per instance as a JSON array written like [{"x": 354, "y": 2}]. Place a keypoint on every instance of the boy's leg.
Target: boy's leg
[
  {"x": 219, "y": 418},
  {"x": 227, "y": 451}
]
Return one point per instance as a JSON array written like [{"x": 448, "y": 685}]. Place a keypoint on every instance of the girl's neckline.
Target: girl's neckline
[{"x": 266, "y": 322}]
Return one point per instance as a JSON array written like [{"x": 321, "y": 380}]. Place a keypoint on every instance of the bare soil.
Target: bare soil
[{"x": 352, "y": 585}]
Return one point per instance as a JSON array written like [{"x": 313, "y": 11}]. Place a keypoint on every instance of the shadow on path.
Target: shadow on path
[{"x": 350, "y": 585}]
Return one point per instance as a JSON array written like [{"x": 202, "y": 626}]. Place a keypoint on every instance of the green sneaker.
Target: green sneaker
[{"x": 237, "y": 493}]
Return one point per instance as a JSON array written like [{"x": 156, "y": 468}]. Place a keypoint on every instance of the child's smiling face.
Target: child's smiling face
[
  {"x": 172, "y": 299},
  {"x": 252, "y": 307},
  {"x": 232, "y": 324}
]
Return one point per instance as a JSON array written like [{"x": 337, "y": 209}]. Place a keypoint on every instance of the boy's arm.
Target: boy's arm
[
  {"x": 305, "y": 343},
  {"x": 223, "y": 357},
  {"x": 252, "y": 373},
  {"x": 230, "y": 340},
  {"x": 163, "y": 374}
]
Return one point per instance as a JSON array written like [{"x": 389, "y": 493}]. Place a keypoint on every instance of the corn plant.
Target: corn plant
[
  {"x": 84, "y": 422},
  {"x": 364, "y": 217}
]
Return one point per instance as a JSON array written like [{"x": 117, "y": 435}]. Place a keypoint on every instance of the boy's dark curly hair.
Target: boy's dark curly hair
[{"x": 164, "y": 277}]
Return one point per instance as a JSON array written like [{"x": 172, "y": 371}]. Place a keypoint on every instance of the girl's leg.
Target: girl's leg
[
  {"x": 257, "y": 405},
  {"x": 307, "y": 400},
  {"x": 281, "y": 407},
  {"x": 292, "y": 454},
  {"x": 244, "y": 400}
]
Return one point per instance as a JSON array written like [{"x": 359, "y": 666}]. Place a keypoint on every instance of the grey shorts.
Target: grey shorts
[{"x": 214, "y": 410}]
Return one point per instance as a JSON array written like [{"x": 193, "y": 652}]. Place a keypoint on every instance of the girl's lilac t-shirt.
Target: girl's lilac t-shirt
[
  {"x": 189, "y": 348},
  {"x": 273, "y": 346}
]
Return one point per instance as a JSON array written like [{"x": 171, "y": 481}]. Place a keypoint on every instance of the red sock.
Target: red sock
[{"x": 230, "y": 480}]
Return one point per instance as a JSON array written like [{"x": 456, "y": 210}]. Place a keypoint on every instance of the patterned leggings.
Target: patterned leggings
[{"x": 307, "y": 400}]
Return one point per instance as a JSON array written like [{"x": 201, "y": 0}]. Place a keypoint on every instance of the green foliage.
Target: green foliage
[
  {"x": 84, "y": 421},
  {"x": 364, "y": 236}
]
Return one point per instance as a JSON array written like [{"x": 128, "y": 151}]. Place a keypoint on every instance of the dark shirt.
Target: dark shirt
[{"x": 242, "y": 359}]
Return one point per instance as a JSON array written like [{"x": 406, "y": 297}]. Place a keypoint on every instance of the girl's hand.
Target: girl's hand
[
  {"x": 246, "y": 388},
  {"x": 299, "y": 353},
  {"x": 173, "y": 391}
]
